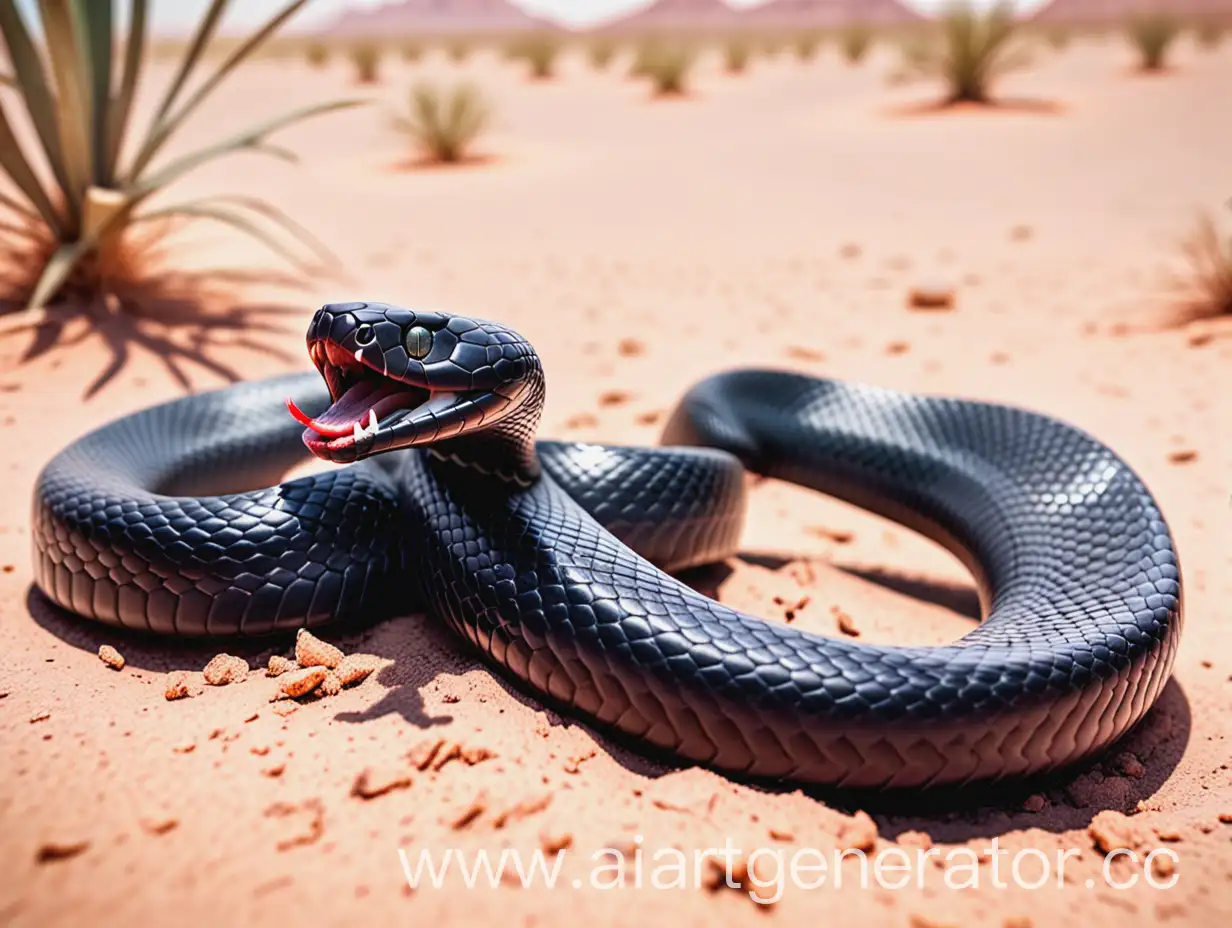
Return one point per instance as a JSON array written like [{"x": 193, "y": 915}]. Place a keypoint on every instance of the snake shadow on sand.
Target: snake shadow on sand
[{"x": 423, "y": 651}]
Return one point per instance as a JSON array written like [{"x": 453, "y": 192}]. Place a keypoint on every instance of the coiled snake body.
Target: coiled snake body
[{"x": 528, "y": 549}]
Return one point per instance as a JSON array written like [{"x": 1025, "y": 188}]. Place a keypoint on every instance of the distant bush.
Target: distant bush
[
  {"x": 1209, "y": 33},
  {"x": 366, "y": 57},
  {"x": 601, "y": 53},
  {"x": 736, "y": 55},
  {"x": 540, "y": 51},
  {"x": 1152, "y": 35},
  {"x": 855, "y": 41},
  {"x": 806, "y": 45},
  {"x": 667, "y": 65},
  {"x": 974, "y": 48},
  {"x": 317, "y": 54},
  {"x": 445, "y": 123},
  {"x": 412, "y": 51}
]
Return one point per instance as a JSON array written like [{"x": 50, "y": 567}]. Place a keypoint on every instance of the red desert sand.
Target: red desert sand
[{"x": 784, "y": 219}]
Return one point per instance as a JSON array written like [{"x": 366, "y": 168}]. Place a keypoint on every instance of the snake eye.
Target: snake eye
[
  {"x": 365, "y": 335},
  {"x": 418, "y": 342}
]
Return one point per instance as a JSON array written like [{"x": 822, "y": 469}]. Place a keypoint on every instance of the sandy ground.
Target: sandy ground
[{"x": 774, "y": 219}]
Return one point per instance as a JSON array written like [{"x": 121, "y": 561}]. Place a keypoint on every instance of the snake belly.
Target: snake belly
[{"x": 562, "y": 584}]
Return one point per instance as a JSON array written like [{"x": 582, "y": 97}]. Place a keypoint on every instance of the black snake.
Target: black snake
[{"x": 552, "y": 558}]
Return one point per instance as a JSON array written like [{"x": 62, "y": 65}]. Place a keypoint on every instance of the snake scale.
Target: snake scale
[{"x": 553, "y": 559}]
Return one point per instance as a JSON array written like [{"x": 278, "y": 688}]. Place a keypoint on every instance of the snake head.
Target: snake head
[{"x": 399, "y": 378}]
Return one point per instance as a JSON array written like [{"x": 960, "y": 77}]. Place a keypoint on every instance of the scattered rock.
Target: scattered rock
[
  {"x": 1021, "y": 233},
  {"x": 331, "y": 685},
  {"x": 60, "y": 850},
  {"x": 780, "y": 833},
  {"x": 850, "y": 250},
  {"x": 1111, "y": 830},
  {"x": 314, "y": 828},
  {"x": 1017, "y": 921},
  {"x": 581, "y": 421},
  {"x": 846, "y": 624},
  {"x": 575, "y": 761},
  {"x": 1225, "y": 818},
  {"x": 916, "y": 839},
  {"x": 111, "y": 657},
  {"x": 858, "y": 833},
  {"x": 523, "y": 809},
  {"x": 614, "y": 398},
  {"x": 467, "y": 816},
  {"x": 40, "y": 717},
  {"x": 933, "y": 294},
  {"x": 1183, "y": 456},
  {"x": 311, "y": 651},
  {"x": 838, "y": 536},
  {"x": 301, "y": 682},
  {"x": 1162, "y": 866},
  {"x": 184, "y": 747},
  {"x": 224, "y": 669},
  {"x": 898, "y": 347},
  {"x": 801, "y": 353},
  {"x": 182, "y": 685},
  {"x": 1168, "y": 833},
  {"x": 274, "y": 770},
  {"x": 355, "y": 668},
  {"x": 650, "y": 418},
  {"x": 629, "y": 348},
  {"x": 555, "y": 843},
  {"x": 1129, "y": 765},
  {"x": 278, "y": 665},
  {"x": 159, "y": 826},
  {"x": 377, "y": 781},
  {"x": 1035, "y": 803}
]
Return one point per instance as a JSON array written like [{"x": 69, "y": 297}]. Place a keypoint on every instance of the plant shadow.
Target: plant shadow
[{"x": 184, "y": 319}]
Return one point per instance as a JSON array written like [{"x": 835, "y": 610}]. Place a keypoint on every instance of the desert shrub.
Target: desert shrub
[
  {"x": 806, "y": 45},
  {"x": 1057, "y": 37},
  {"x": 1152, "y": 36},
  {"x": 1208, "y": 252},
  {"x": 458, "y": 50},
  {"x": 444, "y": 122},
  {"x": 736, "y": 55},
  {"x": 667, "y": 65},
  {"x": 601, "y": 52},
  {"x": 366, "y": 57},
  {"x": 855, "y": 42},
  {"x": 317, "y": 54},
  {"x": 74, "y": 220},
  {"x": 1209, "y": 33},
  {"x": 540, "y": 51},
  {"x": 411, "y": 51},
  {"x": 973, "y": 48}
]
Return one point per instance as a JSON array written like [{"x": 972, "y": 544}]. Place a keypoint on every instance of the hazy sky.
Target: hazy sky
[{"x": 175, "y": 15}]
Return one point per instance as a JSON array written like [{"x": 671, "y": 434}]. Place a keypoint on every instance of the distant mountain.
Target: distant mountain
[
  {"x": 400, "y": 17},
  {"x": 828, "y": 14},
  {"x": 678, "y": 15},
  {"x": 1104, "y": 12}
]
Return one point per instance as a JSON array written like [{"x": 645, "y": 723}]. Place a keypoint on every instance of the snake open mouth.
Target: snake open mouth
[{"x": 362, "y": 399}]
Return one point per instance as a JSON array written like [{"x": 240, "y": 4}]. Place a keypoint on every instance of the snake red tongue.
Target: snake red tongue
[{"x": 355, "y": 406}]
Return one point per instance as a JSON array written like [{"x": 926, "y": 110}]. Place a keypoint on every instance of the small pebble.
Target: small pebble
[
  {"x": 111, "y": 657},
  {"x": 311, "y": 651}
]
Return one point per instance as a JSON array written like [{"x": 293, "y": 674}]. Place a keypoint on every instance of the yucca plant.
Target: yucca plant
[
  {"x": 667, "y": 65},
  {"x": 601, "y": 52},
  {"x": 855, "y": 42},
  {"x": 366, "y": 56},
  {"x": 975, "y": 47},
  {"x": 807, "y": 43},
  {"x": 1152, "y": 35},
  {"x": 540, "y": 51},
  {"x": 444, "y": 123},
  {"x": 1208, "y": 286},
  {"x": 78, "y": 95},
  {"x": 736, "y": 55},
  {"x": 317, "y": 54}
]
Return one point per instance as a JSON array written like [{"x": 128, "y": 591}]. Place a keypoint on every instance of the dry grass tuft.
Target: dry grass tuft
[
  {"x": 1152, "y": 35},
  {"x": 807, "y": 44},
  {"x": 667, "y": 65},
  {"x": 736, "y": 54},
  {"x": 317, "y": 54},
  {"x": 975, "y": 47},
  {"x": 601, "y": 52},
  {"x": 1207, "y": 288},
  {"x": 444, "y": 123},
  {"x": 540, "y": 51},
  {"x": 366, "y": 56},
  {"x": 855, "y": 42}
]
